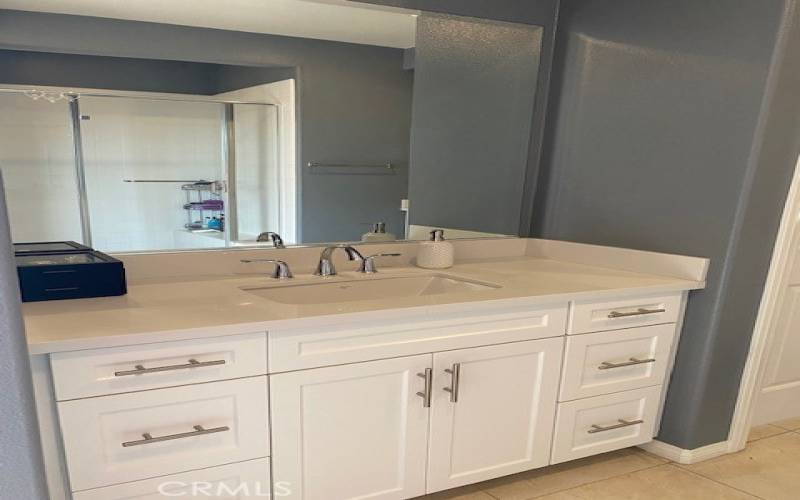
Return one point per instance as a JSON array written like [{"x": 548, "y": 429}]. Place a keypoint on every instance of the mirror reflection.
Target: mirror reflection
[{"x": 379, "y": 124}]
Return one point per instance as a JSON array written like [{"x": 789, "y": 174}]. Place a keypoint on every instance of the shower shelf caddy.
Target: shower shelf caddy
[
  {"x": 203, "y": 197},
  {"x": 207, "y": 199}
]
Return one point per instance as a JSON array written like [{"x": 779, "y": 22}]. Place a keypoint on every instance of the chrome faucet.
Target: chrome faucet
[
  {"x": 275, "y": 238},
  {"x": 326, "y": 267},
  {"x": 281, "y": 271}
]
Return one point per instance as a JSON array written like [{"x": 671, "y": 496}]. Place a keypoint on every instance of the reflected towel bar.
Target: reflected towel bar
[
  {"x": 313, "y": 164},
  {"x": 322, "y": 168}
]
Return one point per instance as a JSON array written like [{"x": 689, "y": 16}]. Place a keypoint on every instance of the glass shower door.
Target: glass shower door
[
  {"x": 143, "y": 161},
  {"x": 256, "y": 176}
]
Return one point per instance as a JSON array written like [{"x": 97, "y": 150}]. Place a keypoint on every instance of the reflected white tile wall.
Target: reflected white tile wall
[
  {"x": 153, "y": 140},
  {"x": 257, "y": 176},
  {"x": 36, "y": 157}
]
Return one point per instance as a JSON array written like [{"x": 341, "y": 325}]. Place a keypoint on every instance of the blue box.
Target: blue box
[
  {"x": 77, "y": 275},
  {"x": 49, "y": 247}
]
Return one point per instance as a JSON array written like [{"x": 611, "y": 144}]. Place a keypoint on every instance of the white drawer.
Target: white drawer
[
  {"x": 619, "y": 360},
  {"x": 104, "y": 438},
  {"x": 593, "y": 316},
  {"x": 249, "y": 479},
  {"x": 351, "y": 342},
  {"x": 97, "y": 372},
  {"x": 605, "y": 423}
]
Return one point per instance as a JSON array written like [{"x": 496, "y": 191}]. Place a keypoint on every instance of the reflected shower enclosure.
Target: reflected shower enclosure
[{"x": 135, "y": 173}]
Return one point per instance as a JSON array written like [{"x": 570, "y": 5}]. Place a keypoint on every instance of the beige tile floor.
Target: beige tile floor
[{"x": 769, "y": 468}]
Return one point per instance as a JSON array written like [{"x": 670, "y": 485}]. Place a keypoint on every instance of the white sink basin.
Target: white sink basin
[{"x": 369, "y": 289}]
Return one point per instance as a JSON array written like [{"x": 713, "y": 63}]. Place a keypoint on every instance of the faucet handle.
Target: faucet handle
[
  {"x": 281, "y": 272},
  {"x": 368, "y": 263}
]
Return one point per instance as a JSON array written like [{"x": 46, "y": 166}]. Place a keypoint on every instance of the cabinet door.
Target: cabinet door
[
  {"x": 351, "y": 431},
  {"x": 493, "y": 411}
]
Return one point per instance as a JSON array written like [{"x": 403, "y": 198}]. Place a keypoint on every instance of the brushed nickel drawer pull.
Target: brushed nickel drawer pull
[
  {"x": 199, "y": 430},
  {"x": 622, "y": 423},
  {"x": 193, "y": 363},
  {"x": 455, "y": 381},
  {"x": 639, "y": 312},
  {"x": 607, "y": 365},
  {"x": 427, "y": 392}
]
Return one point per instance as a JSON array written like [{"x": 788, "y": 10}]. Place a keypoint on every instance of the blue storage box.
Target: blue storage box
[
  {"x": 78, "y": 275},
  {"x": 49, "y": 247}
]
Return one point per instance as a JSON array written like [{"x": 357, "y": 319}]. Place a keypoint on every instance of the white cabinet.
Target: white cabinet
[
  {"x": 606, "y": 362},
  {"x": 98, "y": 372},
  {"x": 597, "y": 316},
  {"x": 351, "y": 431},
  {"x": 239, "y": 481},
  {"x": 492, "y": 411},
  {"x": 604, "y": 423},
  {"x": 361, "y": 430},
  {"x": 140, "y": 435},
  {"x": 408, "y": 334},
  {"x": 359, "y": 409}
]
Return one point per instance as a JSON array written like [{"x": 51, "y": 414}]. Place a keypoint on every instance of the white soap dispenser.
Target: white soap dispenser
[
  {"x": 436, "y": 253},
  {"x": 378, "y": 233}
]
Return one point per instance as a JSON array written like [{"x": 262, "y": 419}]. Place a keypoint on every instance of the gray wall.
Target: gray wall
[
  {"x": 354, "y": 101},
  {"x": 471, "y": 123},
  {"x": 21, "y": 466},
  {"x": 655, "y": 145}
]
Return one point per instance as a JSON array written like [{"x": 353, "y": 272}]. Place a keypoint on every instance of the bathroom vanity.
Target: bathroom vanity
[{"x": 392, "y": 385}]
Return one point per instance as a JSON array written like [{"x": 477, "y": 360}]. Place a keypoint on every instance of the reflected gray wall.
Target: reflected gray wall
[
  {"x": 543, "y": 13},
  {"x": 657, "y": 145},
  {"x": 354, "y": 101},
  {"x": 113, "y": 73},
  {"x": 19, "y": 67},
  {"x": 471, "y": 123},
  {"x": 238, "y": 77},
  {"x": 21, "y": 466}
]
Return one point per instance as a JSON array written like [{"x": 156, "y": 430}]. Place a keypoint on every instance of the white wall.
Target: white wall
[
  {"x": 151, "y": 140},
  {"x": 36, "y": 157}
]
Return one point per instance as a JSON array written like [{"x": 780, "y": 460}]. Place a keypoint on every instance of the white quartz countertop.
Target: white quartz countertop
[{"x": 156, "y": 310}]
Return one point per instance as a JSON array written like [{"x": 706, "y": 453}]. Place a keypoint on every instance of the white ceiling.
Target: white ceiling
[{"x": 338, "y": 20}]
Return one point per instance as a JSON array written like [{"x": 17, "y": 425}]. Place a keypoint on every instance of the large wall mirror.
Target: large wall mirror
[{"x": 349, "y": 122}]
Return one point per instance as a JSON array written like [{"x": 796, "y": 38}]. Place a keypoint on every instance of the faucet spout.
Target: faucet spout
[
  {"x": 275, "y": 238},
  {"x": 326, "y": 267}
]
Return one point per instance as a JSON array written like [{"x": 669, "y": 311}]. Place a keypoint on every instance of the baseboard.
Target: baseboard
[{"x": 683, "y": 456}]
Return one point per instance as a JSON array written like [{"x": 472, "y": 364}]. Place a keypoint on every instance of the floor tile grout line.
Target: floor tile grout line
[
  {"x": 485, "y": 491},
  {"x": 587, "y": 483},
  {"x": 683, "y": 468},
  {"x": 783, "y": 431},
  {"x": 784, "y": 428}
]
